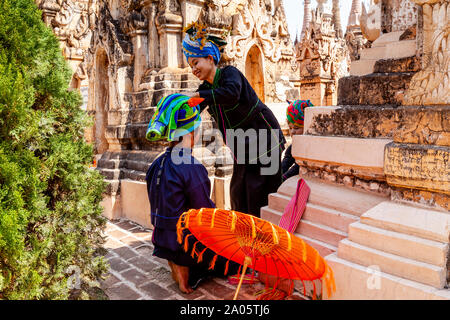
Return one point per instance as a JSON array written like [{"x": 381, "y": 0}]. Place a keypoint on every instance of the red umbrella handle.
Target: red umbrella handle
[{"x": 247, "y": 261}]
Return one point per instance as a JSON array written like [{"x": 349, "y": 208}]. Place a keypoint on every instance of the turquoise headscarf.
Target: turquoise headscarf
[
  {"x": 197, "y": 44},
  {"x": 173, "y": 118}
]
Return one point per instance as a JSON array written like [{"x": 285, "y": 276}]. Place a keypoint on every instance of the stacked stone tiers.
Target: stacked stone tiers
[
  {"x": 404, "y": 124},
  {"x": 415, "y": 164},
  {"x": 386, "y": 85},
  {"x": 396, "y": 248},
  {"x": 395, "y": 251}
]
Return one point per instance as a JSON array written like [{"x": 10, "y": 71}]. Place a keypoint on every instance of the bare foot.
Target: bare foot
[
  {"x": 182, "y": 276},
  {"x": 174, "y": 273}
]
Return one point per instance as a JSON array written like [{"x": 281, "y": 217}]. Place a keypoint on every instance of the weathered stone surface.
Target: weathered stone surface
[
  {"x": 374, "y": 89},
  {"x": 409, "y": 33},
  {"x": 349, "y": 90},
  {"x": 418, "y": 167},
  {"x": 409, "y": 64},
  {"x": 405, "y": 124},
  {"x": 436, "y": 200}
]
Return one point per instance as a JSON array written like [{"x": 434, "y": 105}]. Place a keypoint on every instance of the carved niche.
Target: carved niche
[{"x": 255, "y": 22}]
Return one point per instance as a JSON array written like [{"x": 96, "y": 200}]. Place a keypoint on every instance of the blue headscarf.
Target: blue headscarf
[{"x": 197, "y": 44}]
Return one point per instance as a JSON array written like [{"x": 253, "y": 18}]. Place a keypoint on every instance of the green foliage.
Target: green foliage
[{"x": 50, "y": 213}]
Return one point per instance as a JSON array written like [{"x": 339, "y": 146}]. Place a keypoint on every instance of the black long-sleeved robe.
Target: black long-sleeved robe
[
  {"x": 234, "y": 105},
  {"x": 288, "y": 165},
  {"x": 174, "y": 188}
]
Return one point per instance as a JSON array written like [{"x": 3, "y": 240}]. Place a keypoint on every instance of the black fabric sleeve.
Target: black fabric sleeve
[
  {"x": 228, "y": 93},
  {"x": 293, "y": 171},
  {"x": 203, "y": 105},
  {"x": 288, "y": 160}
]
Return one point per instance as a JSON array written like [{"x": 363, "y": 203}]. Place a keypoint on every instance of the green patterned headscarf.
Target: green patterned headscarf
[{"x": 173, "y": 118}]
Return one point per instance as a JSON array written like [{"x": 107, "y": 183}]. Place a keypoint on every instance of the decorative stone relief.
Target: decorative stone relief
[
  {"x": 431, "y": 85},
  {"x": 71, "y": 25},
  {"x": 323, "y": 58},
  {"x": 72, "y": 22},
  {"x": 254, "y": 19},
  {"x": 418, "y": 166},
  {"x": 218, "y": 13}
]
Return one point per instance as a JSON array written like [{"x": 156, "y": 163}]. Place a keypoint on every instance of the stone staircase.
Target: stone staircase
[
  {"x": 377, "y": 248},
  {"x": 406, "y": 248},
  {"x": 329, "y": 211},
  {"x": 387, "y": 46}
]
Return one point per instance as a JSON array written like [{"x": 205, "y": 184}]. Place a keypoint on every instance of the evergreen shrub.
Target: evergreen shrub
[{"x": 50, "y": 214}]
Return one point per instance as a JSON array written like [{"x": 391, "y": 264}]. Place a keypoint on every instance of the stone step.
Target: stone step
[
  {"x": 328, "y": 217},
  {"x": 335, "y": 197},
  {"x": 136, "y": 165},
  {"x": 278, "y": 202},
  {"x": 133, "y": 175},
  {"x": 111, "y": 174},
  {"x": 392, "y": 50},
  {"x": 401, "y": 49},
  {"x": 323, "y": 248},
  {"x": 309, "y": 229},
  {"x": 128, "y": 131},
  {"x": 109, "y": 163},
  {"x": 374, "y": 88},
  {"x": 404, "y": 245},
  {"x": 367, "y": 154},
  {"x": 356, "y": 282},
  {"x": 113, "y": 155},
  {"x": 143, "y": 156},
  {"x": 362, "y": 67},
  {"x": 315, "y": 213},
  {"x": 112, "y": 187},
  {"x": 393, "y": 264},
  {"x": 387, "y": 38},
  {"x": 408, "y": 64},
  {"x": 320, "y": 232},
  {"x": 132, "y": 115},
  {"x": 270, "y": 215},
  {"x": 419, "y": 222},
  {"x": 374, "y": 53}
]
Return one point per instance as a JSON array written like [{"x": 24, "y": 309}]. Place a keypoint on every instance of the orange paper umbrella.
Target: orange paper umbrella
[{"x": 253, "y": 242}]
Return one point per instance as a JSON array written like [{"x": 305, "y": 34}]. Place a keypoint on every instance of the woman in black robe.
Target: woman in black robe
[{"x": 234, "y": 105}]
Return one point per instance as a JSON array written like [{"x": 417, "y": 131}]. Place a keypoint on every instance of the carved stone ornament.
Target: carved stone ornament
[
  {"x": 254, "y": 22},
  {"x": 71, "y": 22},
  {"x": 217, "y": 14},
  {"x": 321, "y": 53},
  {"x": 135, "y": 21},
  {"x": 431, "y": 85}
]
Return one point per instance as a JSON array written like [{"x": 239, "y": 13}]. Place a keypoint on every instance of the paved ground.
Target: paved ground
[{"x": 137, "y": 275}]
